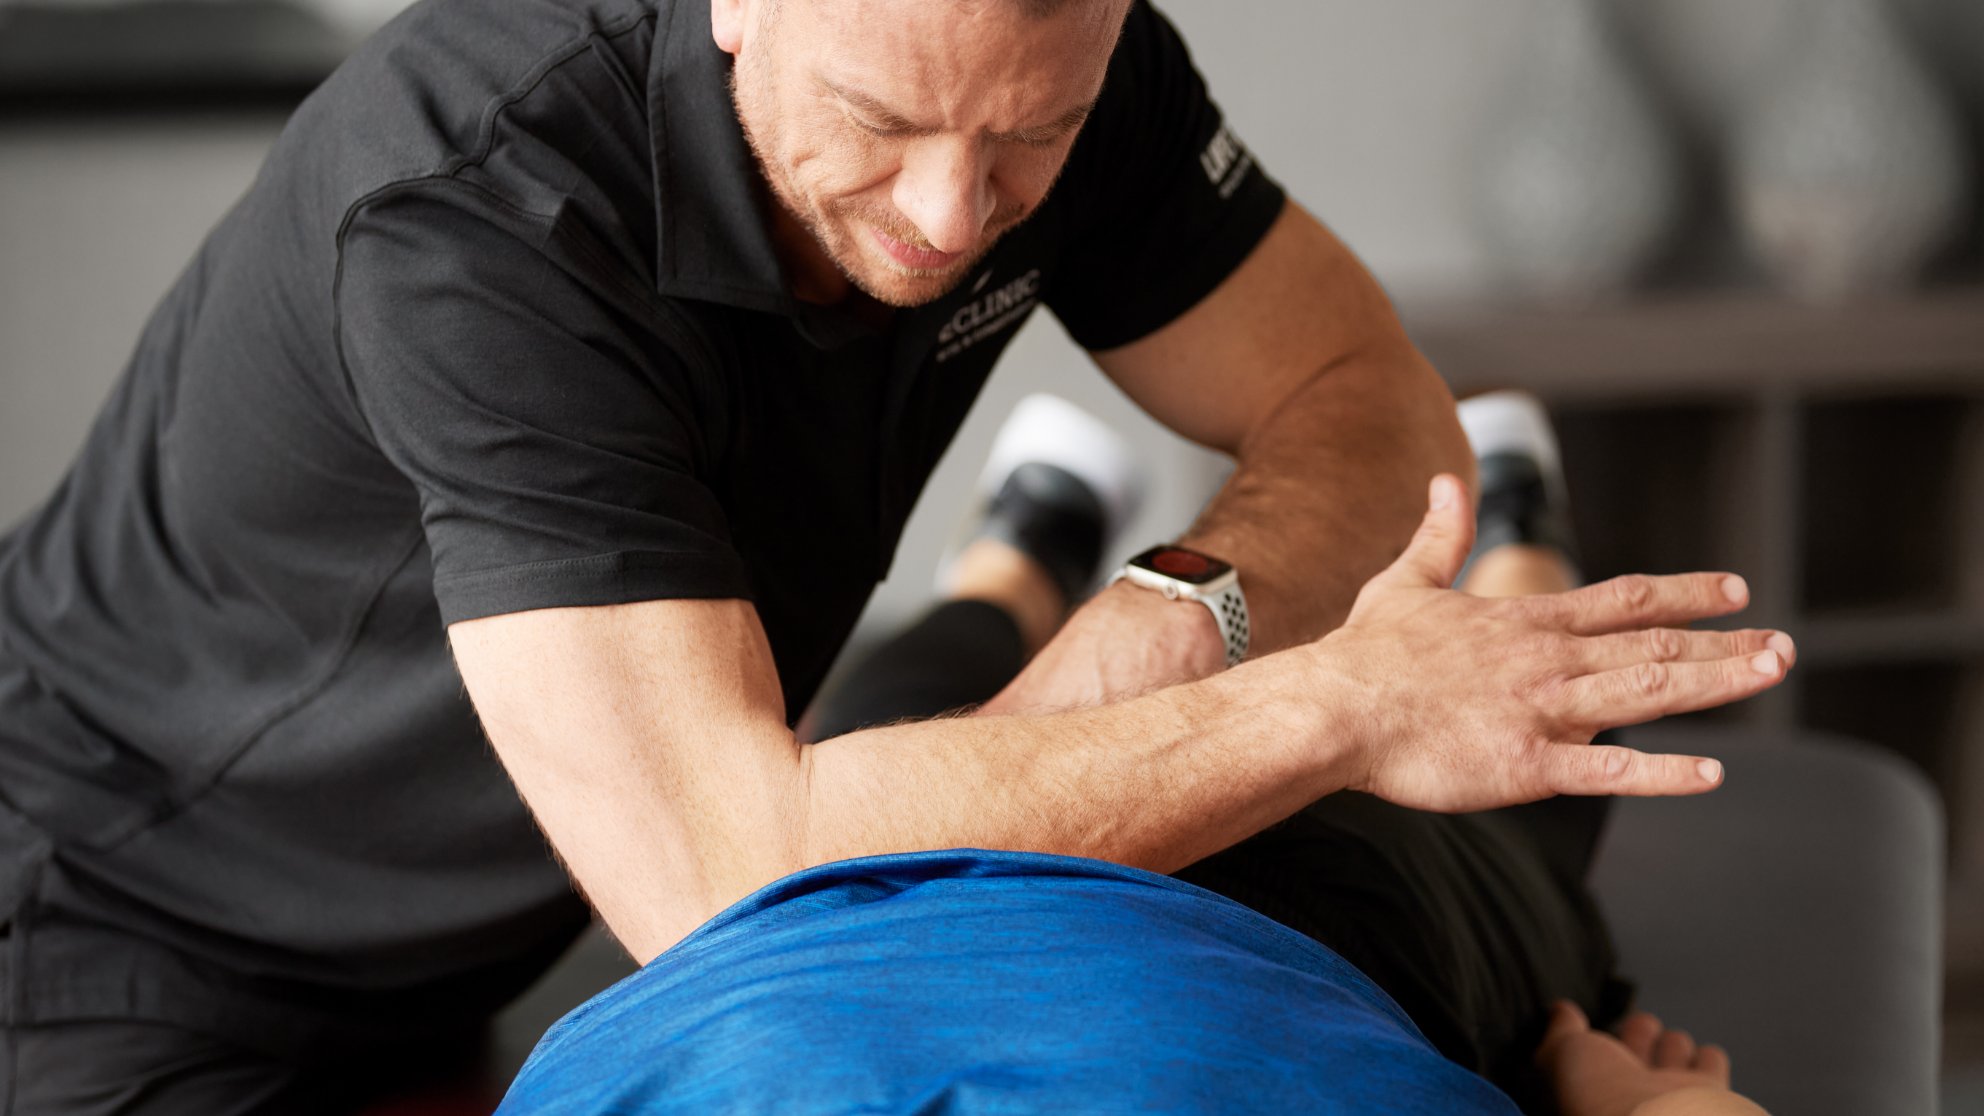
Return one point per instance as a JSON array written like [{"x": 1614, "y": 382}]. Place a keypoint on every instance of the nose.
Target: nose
[{"x": 945, "y": 189}]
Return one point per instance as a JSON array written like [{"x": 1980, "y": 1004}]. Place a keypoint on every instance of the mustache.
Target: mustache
[{"x": 901, "y": 228}]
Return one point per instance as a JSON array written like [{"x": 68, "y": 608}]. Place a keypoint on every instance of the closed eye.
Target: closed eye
[
  {"x": 1043, "y": 138},
  {"x": 888, "y": 127},
  {"x": 1069, "y": 123},
  {"x": 877, "y": 119}
]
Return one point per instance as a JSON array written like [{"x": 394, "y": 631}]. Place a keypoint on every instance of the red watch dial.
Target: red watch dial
[
  {"x": 1181, "y": 563},
  {"x": 1188, "y": 566}
]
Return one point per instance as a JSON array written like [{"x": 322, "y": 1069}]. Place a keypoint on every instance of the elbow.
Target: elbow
[
  {"x": 736, "y": 837},
  {"x": 803, "y": 843},
  {"x": 1424, "y": 407},
  {"x": 1387, "y": 386}
]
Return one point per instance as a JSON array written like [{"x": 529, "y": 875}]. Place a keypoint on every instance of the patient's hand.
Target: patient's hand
[
  {"x": 1471, "y": 703},
  {"x": 1647, "y": 1069}
]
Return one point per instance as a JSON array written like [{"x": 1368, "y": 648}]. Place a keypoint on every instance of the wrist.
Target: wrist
[
  {"x": 1348, "y": 711},
  {"x": 1305, "y": 719},
  {"x": 1182, "y": 631},
  {"x": 1339, "y": 714},
  {"x": 1181, "y": 573}
]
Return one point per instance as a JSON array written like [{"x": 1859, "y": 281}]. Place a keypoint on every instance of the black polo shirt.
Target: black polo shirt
[{"x": 498, "y": 327}]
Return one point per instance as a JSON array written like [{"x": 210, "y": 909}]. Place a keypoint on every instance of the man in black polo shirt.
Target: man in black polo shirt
[{"x": 520, "y": 341}]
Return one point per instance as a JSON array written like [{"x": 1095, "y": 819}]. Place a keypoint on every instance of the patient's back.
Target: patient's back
[{"x": 970, "y": 982}]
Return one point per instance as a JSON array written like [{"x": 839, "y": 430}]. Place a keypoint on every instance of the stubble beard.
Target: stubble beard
[{"x": 831, "y": 235}]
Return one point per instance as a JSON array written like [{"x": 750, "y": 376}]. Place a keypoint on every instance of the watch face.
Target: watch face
[{"x": 1188, "y": 566}]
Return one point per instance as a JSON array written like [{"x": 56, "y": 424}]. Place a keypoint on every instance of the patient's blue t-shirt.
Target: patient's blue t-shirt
[{"x": 968, "y": 982}]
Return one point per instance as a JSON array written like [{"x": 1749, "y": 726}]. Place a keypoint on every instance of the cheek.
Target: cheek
[
  {"x": 1023, "y": 177},
  {"x": 862, "y": 162},
  {"x": 829, "y": 156},
  {"x": 837, "y": 165}
]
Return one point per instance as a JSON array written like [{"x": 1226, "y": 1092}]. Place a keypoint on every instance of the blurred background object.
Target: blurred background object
[
  {"x": 1849, "y": 162},
  {"x": 164, "y": 54},
  {"x": 1834, "y": 453},
  {"x": 1579, "y": 183}
]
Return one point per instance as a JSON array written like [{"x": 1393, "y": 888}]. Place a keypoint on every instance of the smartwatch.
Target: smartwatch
[{"x": 1187, "y": 575}]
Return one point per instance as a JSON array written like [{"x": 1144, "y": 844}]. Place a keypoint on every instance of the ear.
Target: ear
[{"x": 727, "y": 22}]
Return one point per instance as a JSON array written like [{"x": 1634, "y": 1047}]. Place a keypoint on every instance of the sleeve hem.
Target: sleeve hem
[
  {"x": 1243, "y": 230},
  {"x": 625, "y": 577}
]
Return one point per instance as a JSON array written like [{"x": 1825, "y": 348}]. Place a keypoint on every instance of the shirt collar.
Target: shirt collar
[{"x": 713, "y": 239}]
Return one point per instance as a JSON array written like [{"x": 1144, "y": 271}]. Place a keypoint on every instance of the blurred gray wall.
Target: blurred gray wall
[{"x": 1365, "y": 109}]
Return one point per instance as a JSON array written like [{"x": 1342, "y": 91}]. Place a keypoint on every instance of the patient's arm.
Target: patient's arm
[{"x": 1647, "y": 1070}]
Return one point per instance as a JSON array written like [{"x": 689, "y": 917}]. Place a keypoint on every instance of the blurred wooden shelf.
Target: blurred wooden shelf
[{"x": 1709, "y": 345}]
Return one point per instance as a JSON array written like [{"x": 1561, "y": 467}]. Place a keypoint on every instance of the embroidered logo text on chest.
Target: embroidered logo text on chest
[{"x": 987, "y": 313}]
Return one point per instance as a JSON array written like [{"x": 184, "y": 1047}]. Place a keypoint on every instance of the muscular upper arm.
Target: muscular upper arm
[
  {"x": 650, "y": 742},
  {"x": 1300, "y": 304}
]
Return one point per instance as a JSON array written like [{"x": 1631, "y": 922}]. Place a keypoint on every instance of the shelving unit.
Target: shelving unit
[{"x": 1832, "y": 455}]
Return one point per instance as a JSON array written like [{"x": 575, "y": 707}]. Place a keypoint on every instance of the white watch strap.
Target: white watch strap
[{"x": 1229, "y": 608}]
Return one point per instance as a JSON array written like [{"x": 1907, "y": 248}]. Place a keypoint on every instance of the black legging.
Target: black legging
[{"x": 1474, "y": 923}]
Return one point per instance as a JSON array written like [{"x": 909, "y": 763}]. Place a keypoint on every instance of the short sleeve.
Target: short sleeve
[
  {"x": 554, "y": 438},
  {"x": 1165, "y": 200}
]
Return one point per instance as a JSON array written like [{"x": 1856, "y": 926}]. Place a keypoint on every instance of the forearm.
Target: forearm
[
  {"x": 1330, "y": 487},
  {"x": 667, "y": 779},
  {"x": 1156, "y": 782}
]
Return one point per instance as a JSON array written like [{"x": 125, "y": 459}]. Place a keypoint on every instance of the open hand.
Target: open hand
[
  {"x": 1596, "y": 1074},
  {"x": 1477, "y": 703}
]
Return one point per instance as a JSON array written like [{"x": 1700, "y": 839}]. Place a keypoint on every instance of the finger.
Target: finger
[
  {"x": 1674, "y": 645},
  {"x": 1638, "y": 1031},
  {"x": 1439, "y": 548},
  {"x": 1566, "y": 1021},
  {"x": 1643, "y": 601},
  {"x": 1610, "y": 769},
  {"x": 1637, "y": 694},
  {"x": 1674, "y": 1050},
  {"x": 1713, "y": 1059}
]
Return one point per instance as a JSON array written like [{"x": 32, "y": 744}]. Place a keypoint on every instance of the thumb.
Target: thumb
[
  {"x": 1566, "y": 1020},
  {"x": 1439, "y": 548}
]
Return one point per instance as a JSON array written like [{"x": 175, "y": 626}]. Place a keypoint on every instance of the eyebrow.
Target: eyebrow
[{"x": 894, "y": 121}]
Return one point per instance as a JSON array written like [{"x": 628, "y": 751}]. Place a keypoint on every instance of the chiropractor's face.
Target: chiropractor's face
[{"x": 907, "y": 135}]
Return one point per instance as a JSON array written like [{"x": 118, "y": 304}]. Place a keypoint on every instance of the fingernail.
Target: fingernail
[
  {"x": 1781, "y": 643},
  {"x": 1443, "y": 492},
  {"x": 1735, "y": 590},
  {"x": 1765, "y": 662},
  {"x": 1711, "y": 771}
]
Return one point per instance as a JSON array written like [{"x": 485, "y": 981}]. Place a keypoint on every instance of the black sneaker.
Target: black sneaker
[
  {"x": 1523, "y": 498},
  {"x": 1060, "y": 486}
]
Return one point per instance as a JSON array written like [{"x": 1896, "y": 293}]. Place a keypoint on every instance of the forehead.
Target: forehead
[{"x": 967, "y": 61}]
